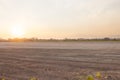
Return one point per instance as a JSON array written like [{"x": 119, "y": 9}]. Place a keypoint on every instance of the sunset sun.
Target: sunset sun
[{"x": 17, "y": 32}]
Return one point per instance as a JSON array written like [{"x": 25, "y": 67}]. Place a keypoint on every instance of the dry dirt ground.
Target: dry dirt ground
[{"x": 57, "y": 64}]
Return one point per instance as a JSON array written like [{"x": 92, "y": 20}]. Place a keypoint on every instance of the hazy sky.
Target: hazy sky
[{"x": 61, "y": 18}]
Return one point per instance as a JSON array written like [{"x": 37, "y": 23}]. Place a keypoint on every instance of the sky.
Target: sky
[{"x": 60, "y": 18}]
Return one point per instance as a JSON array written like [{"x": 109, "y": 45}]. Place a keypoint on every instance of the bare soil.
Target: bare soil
[{"x": 58, "y": 64}]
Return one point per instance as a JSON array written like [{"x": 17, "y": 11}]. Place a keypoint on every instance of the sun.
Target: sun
[{"x": 17, "y": 32}]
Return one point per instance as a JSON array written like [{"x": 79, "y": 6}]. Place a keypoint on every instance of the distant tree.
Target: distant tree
[{"x": 107, "y": 38}]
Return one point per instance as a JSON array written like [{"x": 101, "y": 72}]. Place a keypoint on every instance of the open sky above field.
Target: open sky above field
[{"x": 59, "y": 18}]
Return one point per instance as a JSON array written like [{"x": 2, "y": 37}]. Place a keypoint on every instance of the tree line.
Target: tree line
[{"x": 52, "y": 39}]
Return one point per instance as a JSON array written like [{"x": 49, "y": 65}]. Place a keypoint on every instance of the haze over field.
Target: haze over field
[
  {"x": 59, "y": 18},
  {"x": 62, "y": 45}
]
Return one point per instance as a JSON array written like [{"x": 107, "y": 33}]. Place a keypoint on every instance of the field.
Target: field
[{"x": 58, "y": 60}]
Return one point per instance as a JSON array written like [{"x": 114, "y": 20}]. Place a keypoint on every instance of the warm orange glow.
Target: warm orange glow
[{"x": 17, "y": 32}]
